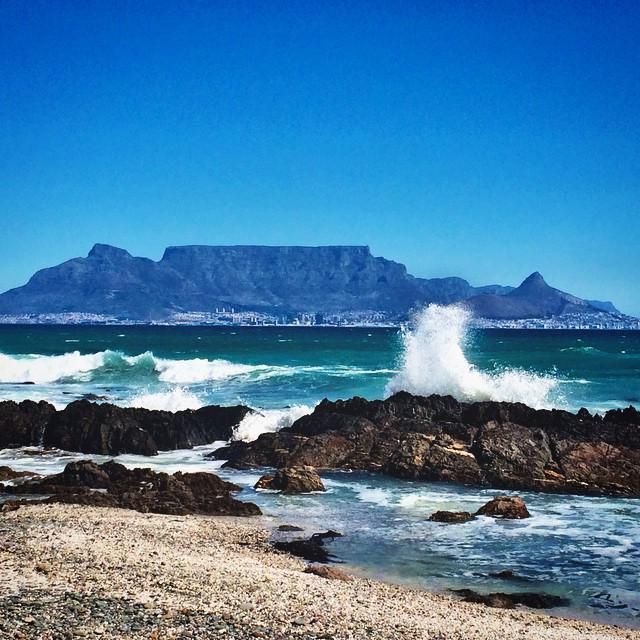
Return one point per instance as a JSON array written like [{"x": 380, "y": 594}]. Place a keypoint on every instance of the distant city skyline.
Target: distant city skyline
[{"x": 485, "y": 141}]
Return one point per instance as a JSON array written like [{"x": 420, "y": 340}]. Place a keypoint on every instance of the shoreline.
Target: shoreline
[{"x": 221, "y": 575}]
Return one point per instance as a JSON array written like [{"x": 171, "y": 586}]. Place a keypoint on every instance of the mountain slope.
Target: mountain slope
[
  {"x": 534, "y": 298},
  {"x": 112, "y": 282}
]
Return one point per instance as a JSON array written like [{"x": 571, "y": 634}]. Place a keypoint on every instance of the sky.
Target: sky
[{"x": 484, "y": 139}]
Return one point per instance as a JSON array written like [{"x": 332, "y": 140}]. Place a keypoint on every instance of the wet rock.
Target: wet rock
[
  {"x": 511, "y": 600},
  {"x": 113, "y": 485},
  {"x": 289, "y": 528},
  {"x": 312, "y": 549},
  {"x": 110, "y": 430},
  {"x": 330, "y": 573},
  {"x": 506, "y": 445},
  {"x": 292, "y": 480},
  {"x": 451, "y": 517},
  {"x": 264, "y": 482},
  {"x": 508, "y": 507},
  {"x": 7, "y": 473}
]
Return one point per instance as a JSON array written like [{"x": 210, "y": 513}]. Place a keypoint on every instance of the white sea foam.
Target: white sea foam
[
  {"x": 268, "y": 420},
  {"x": 176, "y": 399},
  {"x": 433, "y": 361},
  {"x": 76, "y": 366},
  {"x": 44, "y": 369}
]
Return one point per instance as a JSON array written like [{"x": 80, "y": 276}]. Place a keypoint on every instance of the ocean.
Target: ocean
[{"x": 585, "y": 548}]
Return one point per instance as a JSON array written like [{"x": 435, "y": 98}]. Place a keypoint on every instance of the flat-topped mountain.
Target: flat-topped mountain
[{"x": 328, "y": 279}]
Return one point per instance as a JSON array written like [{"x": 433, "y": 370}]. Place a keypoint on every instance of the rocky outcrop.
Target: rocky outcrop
[
  {"x": 110, "y": 430},
  {"x": 451, "y": 517},
  {"x": 507, "y": 507},
  {"x": 510, "y": 600},
  {"x": 312, "y": 549},
  {"x": 503, "y": 445},
  {"x": 113, "y": 485},
  {"x": 292, "y": 480},
  {"x": 7, "y": 473}
]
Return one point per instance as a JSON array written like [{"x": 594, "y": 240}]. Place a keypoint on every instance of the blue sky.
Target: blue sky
[{"x": 480, "y": 139}]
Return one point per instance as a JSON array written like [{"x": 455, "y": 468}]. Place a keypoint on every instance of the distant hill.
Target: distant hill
[
  {"x": 110, "y": 281},
  {"x": 534, "y": 298}
]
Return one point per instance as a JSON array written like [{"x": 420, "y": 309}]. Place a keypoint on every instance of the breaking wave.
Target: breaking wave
[
  {"x": 267, "y": 421},
  {"x": 75, "y": 366},
  {"x": 176, "y": 399},
  {"x": 433, "y": 361}
]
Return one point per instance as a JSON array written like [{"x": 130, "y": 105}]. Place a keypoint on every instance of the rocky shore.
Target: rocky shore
[
  {"x": 110, "y": 430},
  {"x": 436, "y": 438},
  {"x": 71, "y": 571}
]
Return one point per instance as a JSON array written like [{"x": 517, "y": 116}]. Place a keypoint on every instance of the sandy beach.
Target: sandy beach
[{"x": 71, "y": 571}]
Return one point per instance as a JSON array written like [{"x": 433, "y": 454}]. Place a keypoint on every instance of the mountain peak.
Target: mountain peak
[
  {"x": 107, "y": 251},
  {"x": 535, "y": 279}
]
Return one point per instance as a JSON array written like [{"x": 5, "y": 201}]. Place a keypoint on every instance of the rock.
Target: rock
[
  {"x": 311, "y": 549},
  {"x": 500, "y": 444},
  {"x": 289, "y": 527},
  {"x": 7, "y": 473},
  {"x": 110, "y": 430},
  {"x": 113, "y": 485},
  {"x": 510, "y": 600},
  {"x": 264, "y": 482},
  {"x": 508, "y": 507},
  {"x": 292, "y": 480},
  {"x": 330, "y": 573},
  {"x": 451, "y": 516}
]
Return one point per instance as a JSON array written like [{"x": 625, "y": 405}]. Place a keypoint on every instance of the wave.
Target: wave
[
  {"x": 176, "y": 399},
  {"x": 75, "y": 366},
  {"x": 433, "y": 361},
  {"x": 268, "y": 421}
]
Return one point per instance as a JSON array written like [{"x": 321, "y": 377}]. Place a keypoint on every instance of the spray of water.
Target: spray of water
[{"x": 433, "y": 361}]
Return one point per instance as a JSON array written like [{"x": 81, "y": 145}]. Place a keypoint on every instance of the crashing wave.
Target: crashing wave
[{"x": 433, "y": 361}]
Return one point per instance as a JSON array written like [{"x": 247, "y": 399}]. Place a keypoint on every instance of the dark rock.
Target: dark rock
[
  {"x": 264, "y": 482},
  {"x": 113, "y": 485},
  {"x": 7, "y": 473},
  {"x": 312, "y": 548},
  {"x": 451, "y": 516},
  {"x": 329, "y": 573},
  {"x": 500, "y": 444},
  {"x": 510, "y": 600},
  {"x": 289, "y": 527},
  {"x": 23, "y": 424},
  {"x": 292, "y": 480},
  {"x": 508, "y": 507},
  {"x": 110, "y": 430}
]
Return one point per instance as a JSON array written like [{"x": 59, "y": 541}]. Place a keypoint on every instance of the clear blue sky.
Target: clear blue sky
[{"x": 480, "y": 139}]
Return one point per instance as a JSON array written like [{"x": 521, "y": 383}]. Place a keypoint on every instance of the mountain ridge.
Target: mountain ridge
[{"x": 282, "y": 279}]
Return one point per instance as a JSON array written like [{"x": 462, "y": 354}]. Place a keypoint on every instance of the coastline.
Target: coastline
[{"x": 203, "y": 577}]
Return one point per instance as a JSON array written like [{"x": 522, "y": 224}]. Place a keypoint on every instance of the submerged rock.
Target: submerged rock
[
  {"x": 113, "y": 485},
  {"x": 508, "y": 507},
  {"x": 451, "y": 517},
  {"x": 292, "y": 480},
  {"x": 491, "y": 444},
  {"x": 510, "y": 600}
]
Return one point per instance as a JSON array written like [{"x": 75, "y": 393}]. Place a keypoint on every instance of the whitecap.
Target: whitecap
[
  {"x": 434, "y": 361},
  {"x": 267, "y": 421}
]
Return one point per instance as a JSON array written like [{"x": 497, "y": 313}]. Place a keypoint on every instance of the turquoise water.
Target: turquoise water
[
  {"x": 585, "y": 548},
  {"x": 273, "y": 367}
]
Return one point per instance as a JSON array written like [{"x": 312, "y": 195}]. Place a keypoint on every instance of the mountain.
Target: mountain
[
  {"x": 329, "y": 279},
  {"x": 534, "y": 298}
]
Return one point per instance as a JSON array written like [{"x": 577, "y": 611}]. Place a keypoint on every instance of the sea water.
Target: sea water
[{"x": 585, "y": 548}]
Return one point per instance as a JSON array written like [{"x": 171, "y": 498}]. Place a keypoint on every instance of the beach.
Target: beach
[{"x": 69, "y": 571}]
